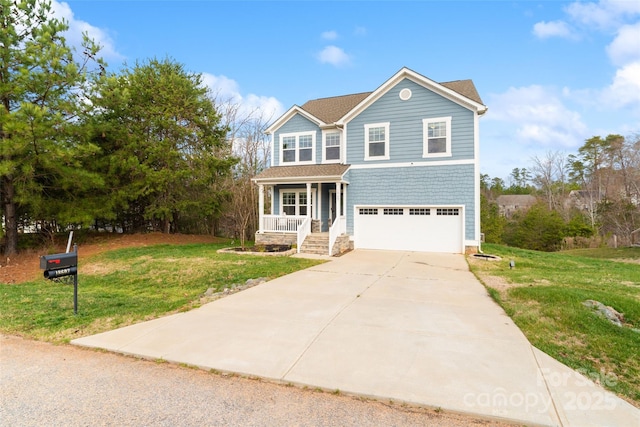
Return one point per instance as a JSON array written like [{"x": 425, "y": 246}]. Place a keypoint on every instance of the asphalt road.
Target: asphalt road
[{"x": 46, "y": 385}]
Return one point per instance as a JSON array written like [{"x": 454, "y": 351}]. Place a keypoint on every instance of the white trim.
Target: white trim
[
  {"x": 420, "y": 80},
  {"x": 297, "y": 136},
  {"x": 425, "y": 137},
  {"x": 476, "y": 155},
  {"x": 326, "y": 132},
  {"x": 273, "y": 202},
  {"x": 343, "y": 203},
  {"x": 415, "y": 164},
  {"x": 273, "y": 148},
  {"x": 299, "y": 179},
  {"x": 405, "y": 94},
  {"x": 384, "y": 125},
  {"x": 298, "y": 191},
  {"x": 288, "y": 115},
  {"x": 344, "y": 145}
]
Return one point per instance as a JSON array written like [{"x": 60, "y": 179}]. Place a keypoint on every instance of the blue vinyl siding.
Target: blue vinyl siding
[
  {"x": 418, "y": 185},
  {"x": 405, "y": 117},
  {"x": 297, "y": 124}
]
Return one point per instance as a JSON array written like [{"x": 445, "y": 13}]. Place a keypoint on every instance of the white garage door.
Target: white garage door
[{"x": 424, "y": 229}]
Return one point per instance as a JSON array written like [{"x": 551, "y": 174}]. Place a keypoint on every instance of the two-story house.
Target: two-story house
[{"x": 396, "y": 169}]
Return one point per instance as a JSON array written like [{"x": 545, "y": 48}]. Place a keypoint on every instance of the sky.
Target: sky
[{"x": 552, "y": 73}]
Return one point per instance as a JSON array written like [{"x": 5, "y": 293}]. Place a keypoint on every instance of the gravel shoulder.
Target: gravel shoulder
[{"x": 44, "y": 384}]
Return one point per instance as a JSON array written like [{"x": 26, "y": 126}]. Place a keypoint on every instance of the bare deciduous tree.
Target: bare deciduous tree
[
  {"x": 246, "y": 133},
  {"x": 549, "y": 175}
]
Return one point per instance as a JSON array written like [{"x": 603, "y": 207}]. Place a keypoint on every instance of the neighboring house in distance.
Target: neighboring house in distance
[
  {"x": 585, "y": 200},
  {"x": 396, "y": 168},
  {"x": 512, "y": 203}
]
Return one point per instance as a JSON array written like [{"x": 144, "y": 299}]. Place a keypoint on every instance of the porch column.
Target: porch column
[
  {"x": 344, "y": 225},
  {"x": 319, "y": 204},
  {"x": 272, "y": 193},
  {"x": 308, "y": 199},
  {"x": 260, "y": 208},
  {"x": 338, "y": 199}
]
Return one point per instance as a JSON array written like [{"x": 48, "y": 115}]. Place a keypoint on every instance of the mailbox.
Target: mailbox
[
  {"x": 62, "y": 265},
  {"x": 58, "y": 261}
]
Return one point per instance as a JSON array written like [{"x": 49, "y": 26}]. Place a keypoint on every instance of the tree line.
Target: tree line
[
  {"x": 587, "y": 196},
  {"x": 151, "y": 148},
  {"x": 146, "y": 148}
]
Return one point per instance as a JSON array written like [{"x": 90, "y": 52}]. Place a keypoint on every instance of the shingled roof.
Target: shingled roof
[
  {"x": 332, "y": 109},
  {"x": 465, "y": 88},
  {"x": 287, "y": 173}
]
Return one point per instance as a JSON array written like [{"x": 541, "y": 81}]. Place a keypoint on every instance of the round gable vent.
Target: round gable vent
[{"x": 405, "y": 94}]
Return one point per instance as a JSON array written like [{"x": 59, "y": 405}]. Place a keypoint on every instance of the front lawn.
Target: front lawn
[
  {"x": 544, "y": 295},
  {"x": 126, "y": 286}
]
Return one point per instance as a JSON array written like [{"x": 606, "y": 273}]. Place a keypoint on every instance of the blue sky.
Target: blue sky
[{"x": 552, "y": 73}]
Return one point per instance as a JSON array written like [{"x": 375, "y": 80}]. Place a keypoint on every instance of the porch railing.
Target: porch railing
[
  {"x": 282, "y": 223},
  {"x": 336, "y": 229},
  {"x": 303, "y": 231}
]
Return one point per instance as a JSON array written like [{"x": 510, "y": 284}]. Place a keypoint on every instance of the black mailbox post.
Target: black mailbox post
[{"x": 62, "y": 265}]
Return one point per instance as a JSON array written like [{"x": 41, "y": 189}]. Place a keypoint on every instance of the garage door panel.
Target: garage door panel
[{"x": 416, "y": 229}]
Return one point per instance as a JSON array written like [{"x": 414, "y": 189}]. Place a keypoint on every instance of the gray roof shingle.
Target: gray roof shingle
[{"x": 330, "y": 110}]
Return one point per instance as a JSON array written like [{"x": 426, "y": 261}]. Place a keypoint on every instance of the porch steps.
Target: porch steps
[{"x": 316, "y": 243}]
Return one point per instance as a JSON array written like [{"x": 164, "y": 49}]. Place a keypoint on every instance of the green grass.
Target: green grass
[
  {"x": 126, "y": 286},
  {"x": 544, "y": 293}
]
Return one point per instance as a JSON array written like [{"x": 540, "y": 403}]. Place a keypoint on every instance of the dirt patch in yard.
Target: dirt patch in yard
[{"x": 25, "y": 266}]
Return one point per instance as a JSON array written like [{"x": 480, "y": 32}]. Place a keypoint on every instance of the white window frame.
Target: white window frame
[
  {"x": 326, "y": 133},
  {"x": 425, "y": 137},
  {"x": 297, "y": 192},
  {"x": 384, "y": 125},
  {"x": 297, "y": 136}
]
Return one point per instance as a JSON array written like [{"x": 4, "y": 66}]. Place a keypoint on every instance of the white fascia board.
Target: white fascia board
[
  {"x": 414, "y": 164},
  {"x": 420, "y": 80},
  {"x": 300, "y": 180},
  {"x": 288, "y": 115}
]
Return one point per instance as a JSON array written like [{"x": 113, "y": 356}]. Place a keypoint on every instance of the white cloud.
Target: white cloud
[
  {"x": 619, "y": 17},
  {"x": 605, "y": 14},
  {"x": 62, "y": 10},
  {"x": 545, "y": 30},
  {"x": 625, "y": 48},
  {"x": 625, "y": 88},
  {"x": 329, "y": 35},
  {"x": 538, "y": 117},
  {"x": 228, "y": 90},
  {"x": 334, "y": 55}
]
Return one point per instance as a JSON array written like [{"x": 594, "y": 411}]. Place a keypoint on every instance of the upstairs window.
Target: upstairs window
[
  {"x": 306, "y": 148},
  {"x": 436, "y": 137},
  {"x": 331, "y": 149},
  {"x": 289, "y": 149},
  {"x": 297, "y": 147},
  {"x": 376, "y": 141}
]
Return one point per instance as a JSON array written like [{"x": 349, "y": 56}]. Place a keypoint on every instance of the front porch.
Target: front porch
[{"x": 303, "y": 206}]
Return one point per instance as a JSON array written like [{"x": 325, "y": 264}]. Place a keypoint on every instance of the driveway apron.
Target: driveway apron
[{"x": 407, "y": 326}]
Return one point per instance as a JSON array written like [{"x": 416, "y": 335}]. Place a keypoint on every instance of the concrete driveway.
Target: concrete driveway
[{"x": 406, "y": 326}]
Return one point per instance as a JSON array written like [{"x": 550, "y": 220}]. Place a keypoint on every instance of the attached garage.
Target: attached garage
[{"x": 409, "y": 228}]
